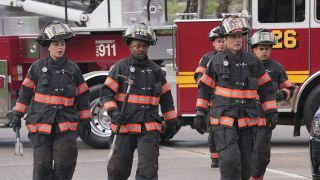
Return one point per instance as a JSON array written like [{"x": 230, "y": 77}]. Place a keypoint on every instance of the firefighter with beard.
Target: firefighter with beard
[
  {"x": 139, "y": 125},
  {"x": 261, "y": 45},
  {"x": 235, "y": 79},
  {"x": 218, "y": 46},
  {"x": 58, "y": 100}
]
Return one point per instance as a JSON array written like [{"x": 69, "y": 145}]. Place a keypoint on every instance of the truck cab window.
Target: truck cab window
[
  {"x": 275, "y": 11},
  {"x": 318, "y": 9}
]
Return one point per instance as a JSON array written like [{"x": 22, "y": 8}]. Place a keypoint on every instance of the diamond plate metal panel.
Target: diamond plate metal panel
[
  {"x": 137, "y": 11},
  {"x": 159, "y": 51},
  {"x": 1, "y": 26},
  {"x": 17, "y": 26},
  {"x": 171, "y": 79}
]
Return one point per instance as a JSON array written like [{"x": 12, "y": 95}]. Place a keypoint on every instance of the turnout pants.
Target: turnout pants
[
  {"x": 236, "y": 148},
  {"x": 212, "y": 145},
  {"x": 120, "y": 164},
  {"x": 263, "y": 151},
  {"x": 54, "y": 156}
]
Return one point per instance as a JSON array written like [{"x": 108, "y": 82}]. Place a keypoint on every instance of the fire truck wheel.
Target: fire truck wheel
[
  {"x": 311, "y": 106},
  {"x": 100, "y": 123}
]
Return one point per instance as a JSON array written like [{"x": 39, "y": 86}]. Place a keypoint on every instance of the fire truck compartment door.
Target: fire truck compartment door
[{"x": 4, "y": 94}]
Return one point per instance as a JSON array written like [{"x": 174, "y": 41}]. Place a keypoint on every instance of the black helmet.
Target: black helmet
[
  {"x": 140, "y": 32},
  {"x": 263, "y": 36},
  {"x": 214, "y": 33},
  {"x": 54, "y": 31},
  {"x": 234, "y": 24}
]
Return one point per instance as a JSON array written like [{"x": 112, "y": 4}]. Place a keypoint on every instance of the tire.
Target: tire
[
  {"x": 311, "y": 106},
  {"x": 100, "y": 123}
]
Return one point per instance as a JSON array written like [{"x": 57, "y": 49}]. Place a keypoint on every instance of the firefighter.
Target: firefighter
[
  {"x": 58, "y": 100},
  {"x": 139, "y": 123},
  {"x": 218, "y": 46},
  {"x": 236, "y": 78},
  {"x": 261, "y": 45}
]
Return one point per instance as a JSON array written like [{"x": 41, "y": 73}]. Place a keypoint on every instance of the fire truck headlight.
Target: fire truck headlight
[{"x": 315, "y": 126}]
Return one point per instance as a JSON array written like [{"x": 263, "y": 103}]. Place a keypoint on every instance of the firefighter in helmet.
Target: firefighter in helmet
[
  {"x": 57, "y": 99},
  {"x": 261, "y": 45},
  {"x": 218, "y": 46},
  {"x": 235, "y": 78},
  {"x": 138, "y": 125}
]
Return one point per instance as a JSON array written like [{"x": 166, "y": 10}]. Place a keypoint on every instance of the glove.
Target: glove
[
  {"x": 200, "y": 123},
  {"x": 272, "y": 119},
  {"x": 281, "y": 95},
  {"x": 171, "y": 127},
  {"x": 16, "y": 122},
  {"x": 86, "y": 128},
  {"x": 116, "y": 117}
]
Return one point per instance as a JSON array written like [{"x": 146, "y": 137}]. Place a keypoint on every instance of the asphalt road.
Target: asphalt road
[{"x": 186, "y": 157}]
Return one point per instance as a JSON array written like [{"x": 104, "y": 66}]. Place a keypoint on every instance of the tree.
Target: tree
[{"x": 223, "y": 7}]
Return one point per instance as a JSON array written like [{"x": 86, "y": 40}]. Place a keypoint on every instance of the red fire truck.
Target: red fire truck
[{"x": 99, "y": 44}]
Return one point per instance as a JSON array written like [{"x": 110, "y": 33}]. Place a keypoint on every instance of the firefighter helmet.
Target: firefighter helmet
[
  {"x": 54, "y": 31},
  {"x": 214, "y": 33},
  {"x": 234, "y": 24},
  {"x": 140, "y": 32},
  {"x": 263, "y": 36}
]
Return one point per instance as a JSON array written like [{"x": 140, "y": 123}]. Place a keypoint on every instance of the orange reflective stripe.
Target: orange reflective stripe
[
  {"x": 235, "y": 93},
  {"x": 153, "y": 126},
  {"x": 65, "y": 126},
  {"x": 243, "y": 122},
  {"x": 269, "y": 105},
  {"x": 208, "y": 81},
  {"x": 39, "y": 127},
  {"x": 82, "y": 88},
  {"x": 200, "y": 69},
  {"x": 285, "y": 84},
  {"x": 165, "y": 88},
  {"x": 169, "y": 115},
  {"x": 20, "y": 107},
  {"x": 214, "y": 155},
  {"x": 84, "y": 114},
  {"x": 112, "y": 84},
  {"x": 28, "y": 83},
  {"x": 139, "y": 99},
  {"x": 288, "y": 93},
  {"x": 128, "y": 128},
  {"x": 214, "y": 121},
  {"x": 109, "y": 104},
  {"x": 228, "y": 121},
  {"x": 263, "y": 79},
  {"x": 262, "y": 122},
  {"x": 202, "y": 103},
  {"x": 59, "y": 100}
]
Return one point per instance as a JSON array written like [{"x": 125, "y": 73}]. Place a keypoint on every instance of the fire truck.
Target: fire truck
[{"x": 98, "y": 44}]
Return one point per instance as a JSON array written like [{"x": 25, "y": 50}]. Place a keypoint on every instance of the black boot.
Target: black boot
[{"x": 214, "y": 163}]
